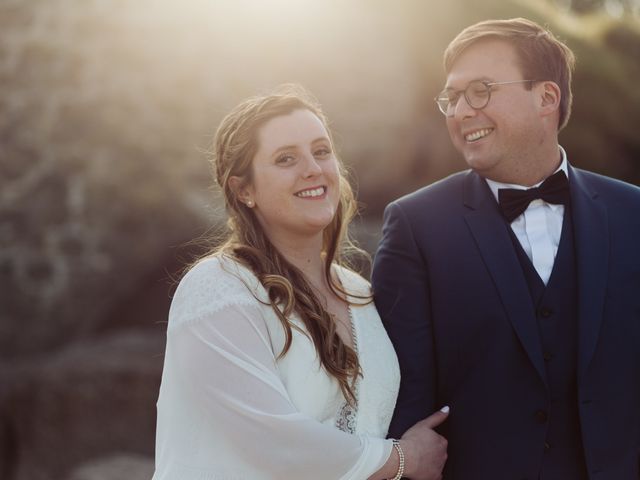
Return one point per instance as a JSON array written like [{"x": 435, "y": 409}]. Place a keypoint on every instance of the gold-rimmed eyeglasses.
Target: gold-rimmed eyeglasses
[{"x": 477, "y": 94}]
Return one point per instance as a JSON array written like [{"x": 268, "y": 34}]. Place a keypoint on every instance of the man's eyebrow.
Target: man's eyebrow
[{"x": 484, "y": 78}]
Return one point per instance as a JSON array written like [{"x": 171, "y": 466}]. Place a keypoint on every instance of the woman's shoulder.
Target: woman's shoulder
[
  {"x": 353, "y": 282},
  {"x": 216, "y": 272},
  {"x": 210, "y": 285}
]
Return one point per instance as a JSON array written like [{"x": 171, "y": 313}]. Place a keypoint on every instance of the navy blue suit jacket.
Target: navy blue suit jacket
[{"x": 449, "y": 287}]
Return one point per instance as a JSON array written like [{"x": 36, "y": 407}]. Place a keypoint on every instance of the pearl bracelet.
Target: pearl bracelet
[{"x": 396, "y": 445}]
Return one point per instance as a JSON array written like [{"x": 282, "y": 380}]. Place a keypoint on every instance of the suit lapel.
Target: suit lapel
[
  {"x": 592, "y": 254},
  {"x": 490, "y": 232}
]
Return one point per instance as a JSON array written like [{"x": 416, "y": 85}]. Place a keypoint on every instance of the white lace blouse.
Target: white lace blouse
[{"x": 230, "y": 409}]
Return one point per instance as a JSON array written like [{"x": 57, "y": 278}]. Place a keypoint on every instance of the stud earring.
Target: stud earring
[{"x": 250, "y": 203}]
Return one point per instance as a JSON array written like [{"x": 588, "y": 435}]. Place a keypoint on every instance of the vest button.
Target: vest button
[
  {"x": 541, "y": 416},
  {"x": 547, "y": 447},
  {"x": 545, "y": 312},
  {"x": 548, "y": 356}
]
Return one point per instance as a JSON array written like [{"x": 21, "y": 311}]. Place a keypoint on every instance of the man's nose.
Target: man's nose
[{"x": 462, "y": 109}]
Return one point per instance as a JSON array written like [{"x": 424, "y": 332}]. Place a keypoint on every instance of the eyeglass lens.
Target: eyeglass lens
[{"x": 477, "y": 95}]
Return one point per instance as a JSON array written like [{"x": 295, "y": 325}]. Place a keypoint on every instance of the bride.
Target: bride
[{"x": 277, "y": 365}]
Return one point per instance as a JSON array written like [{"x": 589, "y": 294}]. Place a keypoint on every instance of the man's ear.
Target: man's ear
[
  {"x": 242, "y": 190},
  {"x": 549, "y": 97}
]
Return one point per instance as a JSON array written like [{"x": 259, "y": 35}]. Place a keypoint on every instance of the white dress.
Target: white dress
[{"x": 230, "y": 409}]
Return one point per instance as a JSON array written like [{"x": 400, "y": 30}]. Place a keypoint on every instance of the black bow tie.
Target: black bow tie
[{"x": 514, "y": 202}]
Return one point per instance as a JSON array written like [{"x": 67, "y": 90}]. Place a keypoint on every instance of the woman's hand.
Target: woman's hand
[{"x": 425, "y": 450}]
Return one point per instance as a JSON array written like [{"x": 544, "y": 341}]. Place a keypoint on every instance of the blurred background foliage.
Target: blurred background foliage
[{"x": 107, "y": 111}]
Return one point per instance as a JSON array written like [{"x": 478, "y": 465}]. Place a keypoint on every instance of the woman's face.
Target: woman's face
[{"x": 295, "y": 188}]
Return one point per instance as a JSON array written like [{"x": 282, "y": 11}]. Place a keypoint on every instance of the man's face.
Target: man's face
[{"x": 496, "y": 140}]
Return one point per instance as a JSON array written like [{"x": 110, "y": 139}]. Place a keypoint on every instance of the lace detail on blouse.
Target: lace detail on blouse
[
  {"x": 211, "y": 286},
  {"x": 348, "y": 414},
  {"x": 347, "y": 418}
]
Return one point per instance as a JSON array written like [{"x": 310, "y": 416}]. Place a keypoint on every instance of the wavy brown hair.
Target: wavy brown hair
[{"x": 235, "y": 145}]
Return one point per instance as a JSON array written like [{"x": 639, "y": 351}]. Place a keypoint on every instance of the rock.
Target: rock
[
  {"x": 106, "y": 113},
  {"x": 82, "y": 403},
  {"x": 116, "y": 467}
]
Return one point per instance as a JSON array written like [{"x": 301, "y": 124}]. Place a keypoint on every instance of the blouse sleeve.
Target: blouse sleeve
[{"x": 224, "y": 412}]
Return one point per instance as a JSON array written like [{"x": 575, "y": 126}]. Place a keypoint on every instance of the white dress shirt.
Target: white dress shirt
[{"x": 538, "y": 229}]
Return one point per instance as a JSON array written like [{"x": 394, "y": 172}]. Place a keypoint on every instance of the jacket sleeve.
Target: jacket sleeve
[{"x": 401, "y": 292}]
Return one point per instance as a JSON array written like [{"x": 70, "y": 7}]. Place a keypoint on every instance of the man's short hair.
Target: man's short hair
[{"x": 541, "y": 55}]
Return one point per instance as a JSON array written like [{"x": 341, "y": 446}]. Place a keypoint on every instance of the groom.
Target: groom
[{"x": 511, "y": 291}]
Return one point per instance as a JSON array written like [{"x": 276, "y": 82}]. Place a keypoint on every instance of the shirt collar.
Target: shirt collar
[{"x": 495, "y": 186}]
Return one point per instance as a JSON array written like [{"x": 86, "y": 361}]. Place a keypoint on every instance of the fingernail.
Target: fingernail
[{"x": 445, "y": 409}]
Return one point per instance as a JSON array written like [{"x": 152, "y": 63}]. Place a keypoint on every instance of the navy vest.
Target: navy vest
[{"x": 555, "y": 306}]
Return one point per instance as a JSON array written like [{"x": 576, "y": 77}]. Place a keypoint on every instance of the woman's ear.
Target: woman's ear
[{"x": 242, "y": 191}]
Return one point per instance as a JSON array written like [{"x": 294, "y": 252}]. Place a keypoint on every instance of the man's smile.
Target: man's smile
[{"x": 477, "y": 134}]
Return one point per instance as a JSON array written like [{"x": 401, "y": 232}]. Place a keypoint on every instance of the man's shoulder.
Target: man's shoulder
[
  {"x": 608, "y": 188},
  {"x": 448, "y": 187}
]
